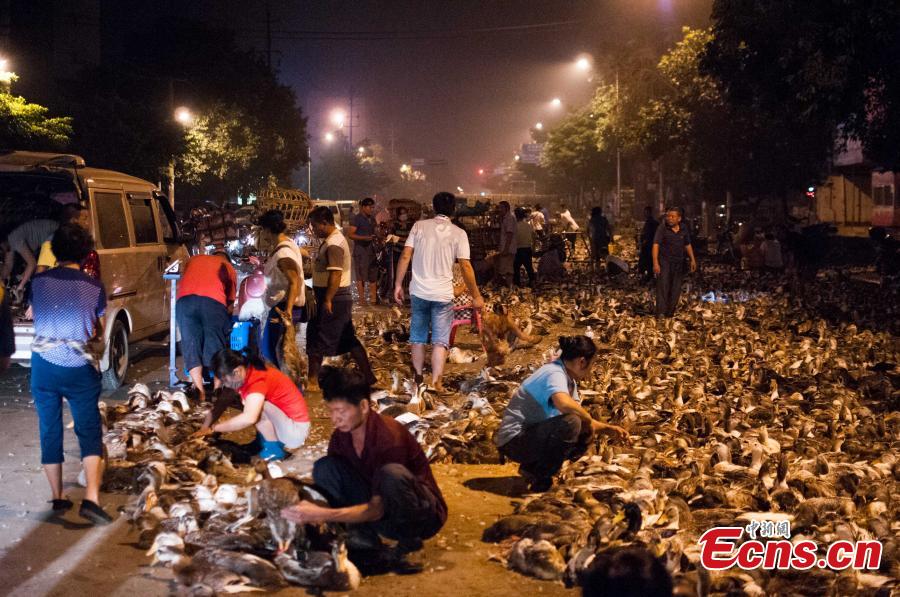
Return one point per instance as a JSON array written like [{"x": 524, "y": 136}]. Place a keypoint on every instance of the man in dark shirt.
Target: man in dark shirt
[
  {"x": 670, "y": 244},
  {"x": 375, "y": 474},
  {"x": 362, "y": 232}
]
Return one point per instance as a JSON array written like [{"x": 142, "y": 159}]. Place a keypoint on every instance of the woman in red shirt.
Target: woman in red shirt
[{"x": 272, "y": 402}]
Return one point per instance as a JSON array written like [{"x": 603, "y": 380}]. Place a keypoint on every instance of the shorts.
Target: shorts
[
  {"x": 365, "y": 269},
  {"x": 290, "y": 432},
  {"x": 438, "y": 317},
  {"x": 331, "y": 335}
]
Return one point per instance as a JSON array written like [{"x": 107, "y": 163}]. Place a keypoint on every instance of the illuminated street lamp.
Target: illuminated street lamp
[
  {"x": 481, "y": 172},
  {"x": 556, "y": 102},
  {"x": 184, "y": 116},
  {"x": 6, "y": 76},
  {"x": 329, "y": 137},
  {"x": 337, "y": 118},
  {"x": 539, "y": 126},
  {"x": 518, "y": 157},
  {"x": 361, "y": 149},
  {"x": 583, "y": 64}
]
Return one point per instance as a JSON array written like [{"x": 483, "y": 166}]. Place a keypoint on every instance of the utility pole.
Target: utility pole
[
  {"x": 309, "y": 171},
  {"x": 268, "y": 37},
  {"x": 171, "y": 169},
  {"x": 351, "y": 118},
  {"x": 618, "y": 156}
]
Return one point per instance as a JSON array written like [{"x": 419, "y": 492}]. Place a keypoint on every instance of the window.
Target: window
[
  {"x": 111, "y": 220},
  {"x": 143, "y": 219},
  {"x": 883, "y": 195}
]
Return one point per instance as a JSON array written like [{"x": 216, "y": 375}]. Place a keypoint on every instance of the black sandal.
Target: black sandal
[
  {"x": 62, "y": 505},
  {"x": 93, "y": 512}
]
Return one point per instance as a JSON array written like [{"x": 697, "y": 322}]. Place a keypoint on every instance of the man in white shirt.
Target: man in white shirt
[{"x": 433, "y": 246}]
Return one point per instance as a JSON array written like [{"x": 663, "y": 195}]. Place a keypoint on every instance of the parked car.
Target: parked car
[{"x": 136, "y": 237}]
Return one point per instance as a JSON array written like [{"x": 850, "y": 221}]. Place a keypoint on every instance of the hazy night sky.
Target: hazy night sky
[{"x": 449, "y": 92}]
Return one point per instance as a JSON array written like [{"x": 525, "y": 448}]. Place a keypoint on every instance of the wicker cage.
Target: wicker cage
[{"x": 294, "y": 205}]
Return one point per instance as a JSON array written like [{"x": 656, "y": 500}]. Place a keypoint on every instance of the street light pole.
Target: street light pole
[
  {"x": 309, "y": 171},
  {"x": 618, "y": 157}
]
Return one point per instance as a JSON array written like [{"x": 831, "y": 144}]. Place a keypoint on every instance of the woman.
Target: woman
[
  {"x": 544, "y": 423},
  {"x": 270, "y": 400},
  {"x": 524, "y": 245},
  {"x": 284, "y": 281},
  {"x": 68, "y": 306}
]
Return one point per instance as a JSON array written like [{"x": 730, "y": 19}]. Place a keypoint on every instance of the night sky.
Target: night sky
[{"x": 448, "y": 91}]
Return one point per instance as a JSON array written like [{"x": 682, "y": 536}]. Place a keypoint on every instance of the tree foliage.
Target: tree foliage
[
  {"x": 25, "y": 125},
  {"x": 812, "y": 68},
  {"x": 342, "y": 174},
  {"x": 573, "y": 155}
]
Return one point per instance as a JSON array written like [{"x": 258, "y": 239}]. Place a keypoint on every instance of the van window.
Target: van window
[
  {"x": 143, "y": 219},
  {"x": 111, "y": 220}
]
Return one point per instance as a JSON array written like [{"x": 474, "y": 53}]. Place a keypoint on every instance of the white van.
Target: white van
[{"x": 136, "y": 237}]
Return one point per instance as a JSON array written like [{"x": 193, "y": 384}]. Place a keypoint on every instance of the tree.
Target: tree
[
  {"x": 341, "y": 174},
  {"x": 24, "y": 125},
  {"x": 572, "y": 153},
  {"x": 812, "y": 70},
  {"x": 124, "y": 115}
]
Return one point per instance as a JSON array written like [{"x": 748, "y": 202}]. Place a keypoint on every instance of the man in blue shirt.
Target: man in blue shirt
[
  {"x": 362, "y": 232},
  {"x": 670, "y": 244}
]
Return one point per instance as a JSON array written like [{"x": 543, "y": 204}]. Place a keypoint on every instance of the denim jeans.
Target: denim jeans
[
  {"x": 438, "y": 317},
  {"x": 81, "y": 387}
]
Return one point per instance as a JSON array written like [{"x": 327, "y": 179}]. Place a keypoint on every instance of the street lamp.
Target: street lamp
[
  {"x": 539, "y": 126},
  {"x": 518, "y": 157},
  {"x": 361, "y": 149},
  {"x": 185, "y": 118},
  {"x": 481, "y": 172},
  {"x": 329, "y": 137},
  {"x": 556, "y": 102},
  {"x": 337, "y": 118},
  {"x": 583, "y": 64},
  {"x": 6, "y": 76}
]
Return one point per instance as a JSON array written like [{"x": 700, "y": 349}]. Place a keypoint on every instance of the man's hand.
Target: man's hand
[
  {"x": 656, "y": 268},
  {"x": 398, "y": 295},
  {"x": 286, "y": 315},
  {"x": 693, "y": 265},
  {"x": 478, "y": 302},
  {"x": 614, "y": 432},
  {"x": 326, "y": 304},
  {"x": 306, "y": 512}
]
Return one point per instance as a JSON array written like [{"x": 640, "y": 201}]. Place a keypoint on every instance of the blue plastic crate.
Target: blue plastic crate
[{"x": 240, "y": 334}]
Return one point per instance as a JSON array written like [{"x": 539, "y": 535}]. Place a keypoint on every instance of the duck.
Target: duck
[
  {"x": 333, "y": 571},
  {"x": 539, "y": 559}
]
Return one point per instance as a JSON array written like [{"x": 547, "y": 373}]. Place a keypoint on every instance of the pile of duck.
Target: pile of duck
[
  {"x": 743, "y": 408},
  {"x": 216, "y": 523}
]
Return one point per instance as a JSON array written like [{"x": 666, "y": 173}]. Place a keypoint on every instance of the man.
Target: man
[
  {"x": 26, "y": 240},
  {"x": 645, "y": 247},
  {"x": 570, "y": 226},
  {"x": 72, "y": 212},
  {"x": 376, "y": 476},
  {"x": 331, "y": 332},
  {"x": 524, "y": 245},
  {"x": 362, "y": 232},
  {"x": 203, "y": 309},
  {"x": 670, "y": 244},
  {"x": 433, "y": 247},
  {"x": 507, "y": 248},
  {"x": 537, "y": 222},
  {"x": 546, "y": 213}
]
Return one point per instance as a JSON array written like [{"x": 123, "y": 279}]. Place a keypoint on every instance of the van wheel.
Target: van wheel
[{"x": 114, "y": 377}]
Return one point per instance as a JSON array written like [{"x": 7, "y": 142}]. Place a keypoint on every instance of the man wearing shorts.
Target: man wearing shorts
[
  {"x": 362, "y": 232},
  {"x": 433, "y": 246},
  {"x": 331, "y": 332}
]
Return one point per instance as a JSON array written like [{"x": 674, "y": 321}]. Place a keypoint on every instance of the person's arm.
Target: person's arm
[
  {"x": 468, "y": 275},
  {"x": 656, "y": 268},
  {"x": 223, "y": 400},
  {"x": 253, "y": 405},
  {"x": 289, "y": 268},
  {"x": 402, "y": 266},
  {"x": 8, "y": 256},
  {"x": 334, "y": 283},
  {"x": 308, "y": 512},
  {"x": 30, "y": 264},
  {"x": 567, "y": 405},
  {"x": 690, "y": 251},
  {"x": 352, "y": 235}
]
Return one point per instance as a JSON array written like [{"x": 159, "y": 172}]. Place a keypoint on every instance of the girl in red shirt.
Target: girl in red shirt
[{"x": 272, "y": 402}]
